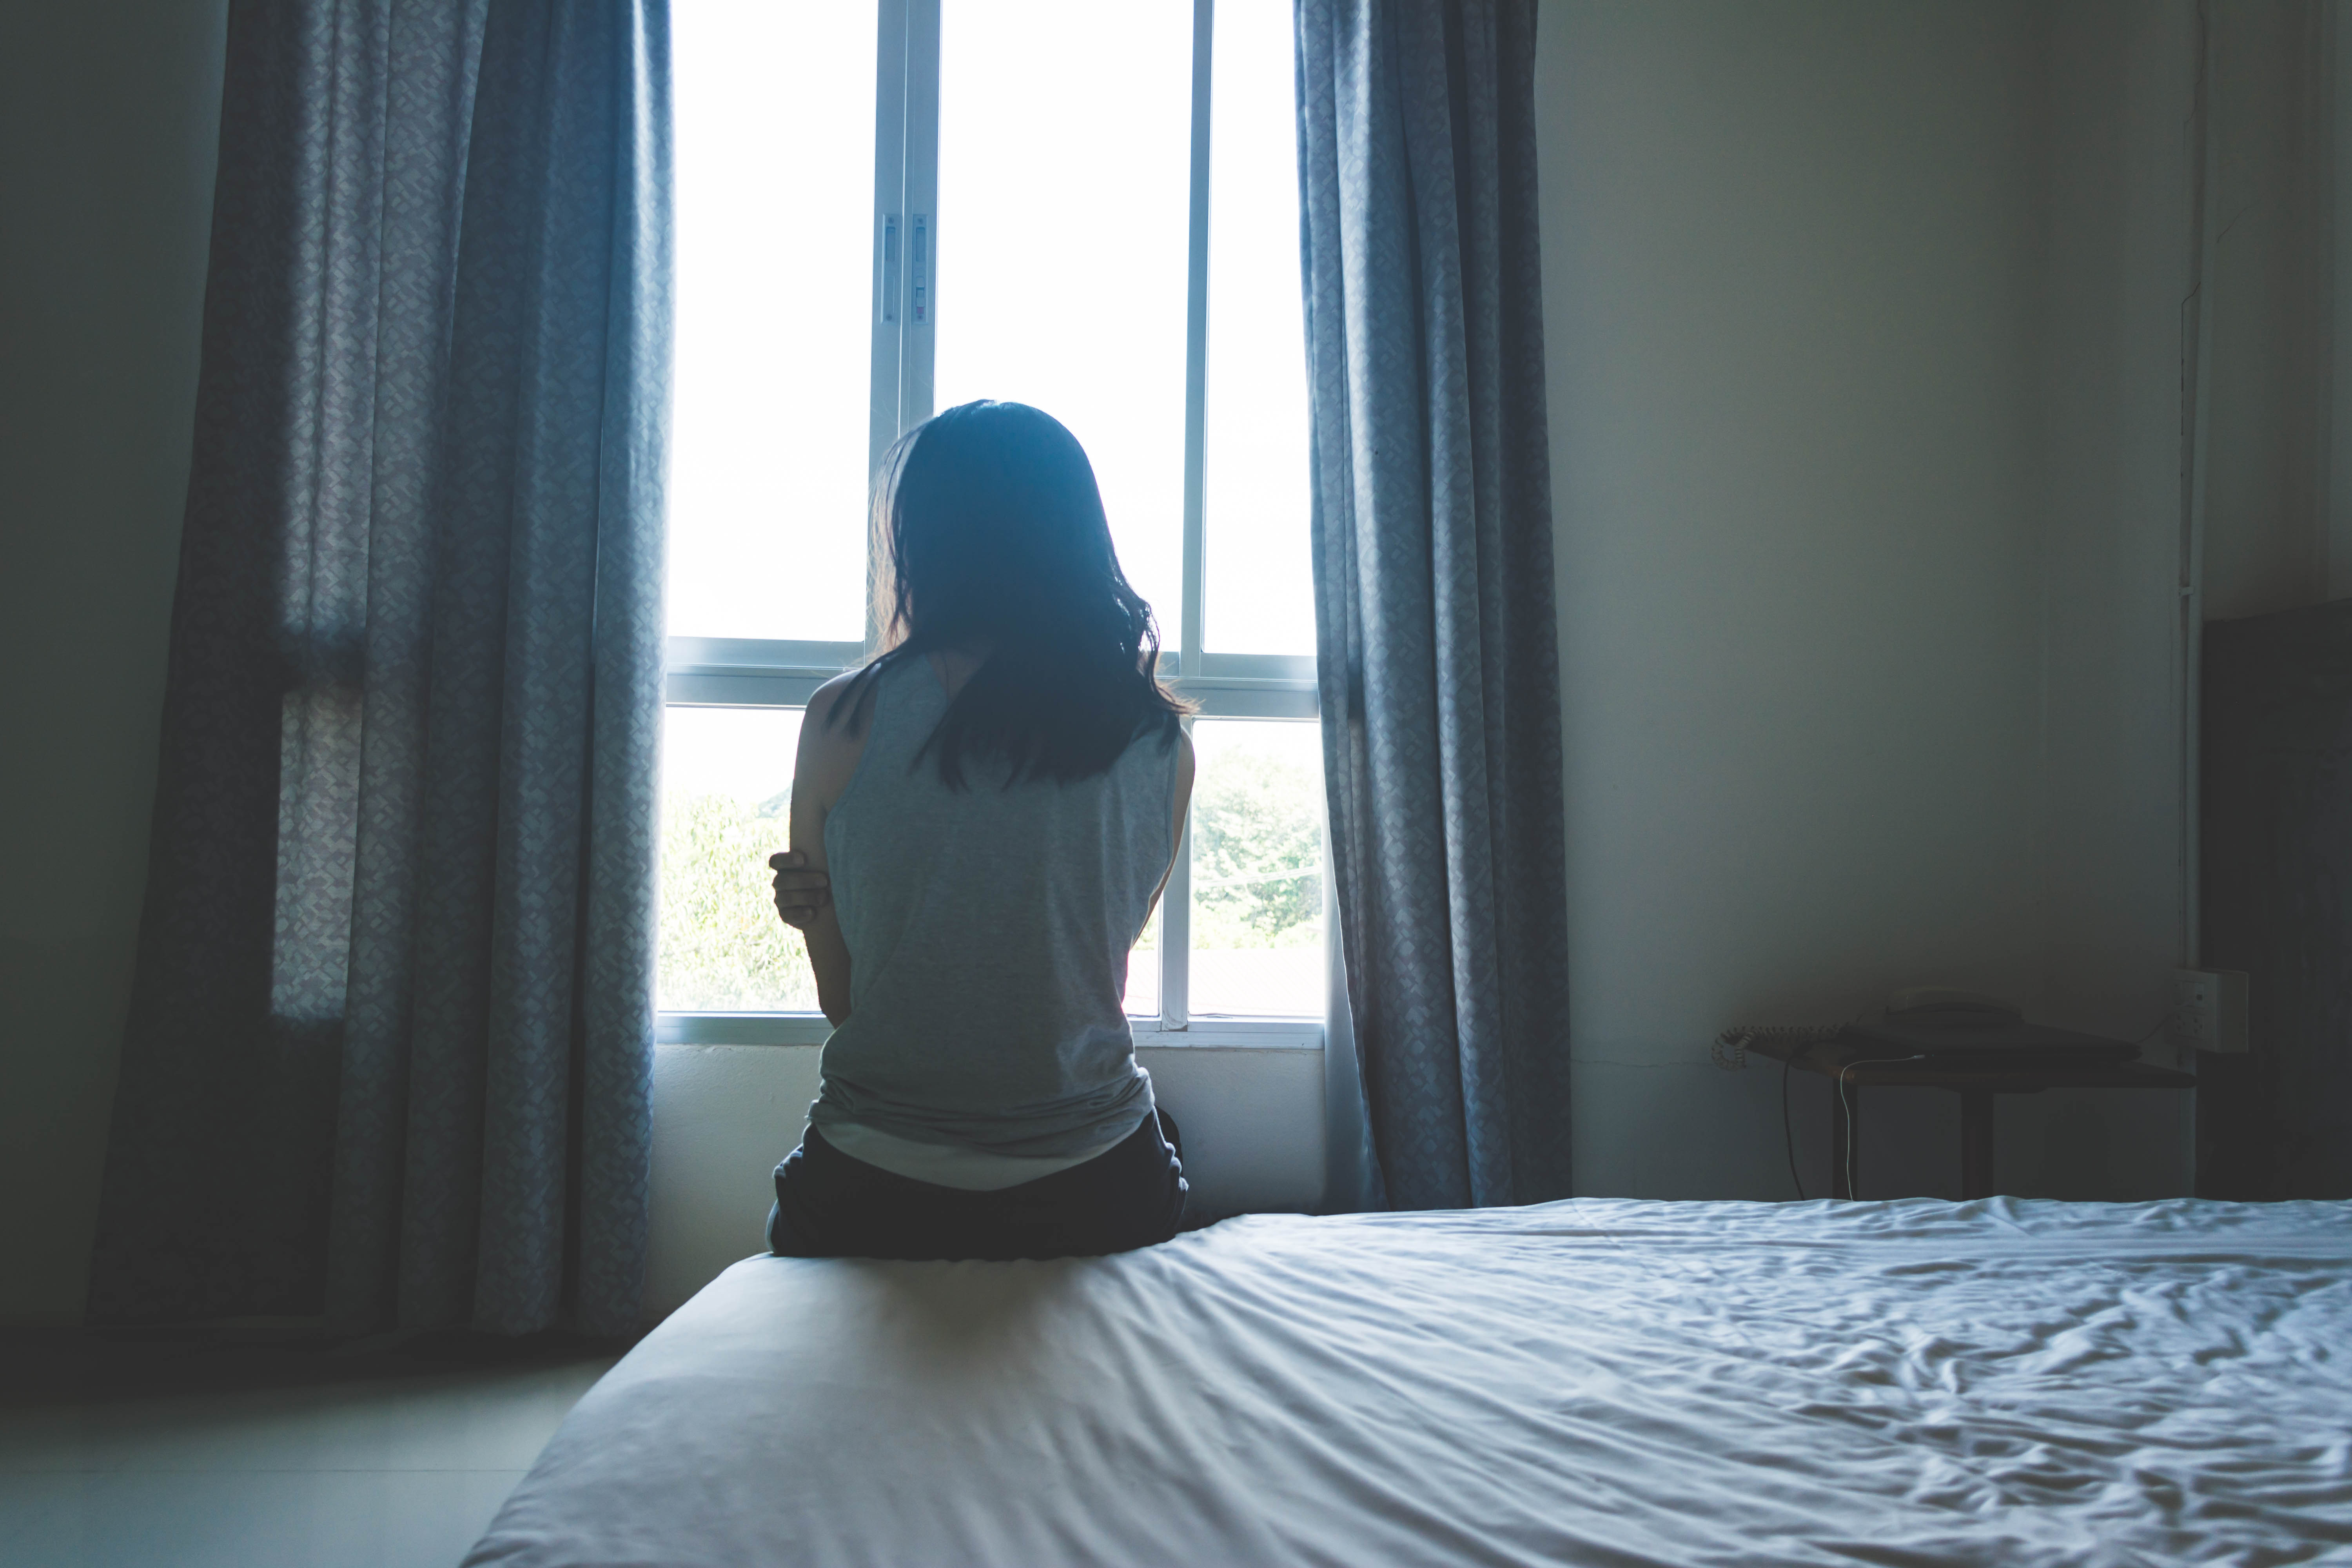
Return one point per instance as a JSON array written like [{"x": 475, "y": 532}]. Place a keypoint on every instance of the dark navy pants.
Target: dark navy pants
[{"x": 829, "y": 1205}]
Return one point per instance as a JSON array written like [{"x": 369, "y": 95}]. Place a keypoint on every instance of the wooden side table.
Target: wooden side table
[{"x": 1976, "y": 1087}]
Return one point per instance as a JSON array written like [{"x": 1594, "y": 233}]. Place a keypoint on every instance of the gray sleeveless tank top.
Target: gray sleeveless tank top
[{"x": 988, "y": 932}]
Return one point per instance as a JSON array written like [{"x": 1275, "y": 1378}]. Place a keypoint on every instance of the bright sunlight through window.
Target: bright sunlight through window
[{"x": 885, "y": 207}]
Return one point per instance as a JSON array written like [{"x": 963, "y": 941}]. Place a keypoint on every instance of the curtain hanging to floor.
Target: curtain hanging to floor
[
  {"x": 388, "y": 1054},
  {"x": 1432, "y": 552}
]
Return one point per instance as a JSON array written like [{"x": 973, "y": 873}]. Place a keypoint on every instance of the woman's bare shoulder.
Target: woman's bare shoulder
[
  {"x": 1184, "y": 774},
  {"x": 823, "y": 702},
  {"x": 831, "y": 742}
]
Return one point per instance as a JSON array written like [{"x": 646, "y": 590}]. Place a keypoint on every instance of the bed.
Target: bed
[{"x": 1588, "y": 1382}]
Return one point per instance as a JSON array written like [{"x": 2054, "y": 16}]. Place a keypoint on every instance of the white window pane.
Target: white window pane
[
  {"x": 775, "y": 121},
  {"x": 1143, "y": 973},
  {"x": 726, "y": 789},
  {"x": 1257, "y": 870},
  {"x": 1257, "y": 597},
  {"x": 1065, "y": 155}
]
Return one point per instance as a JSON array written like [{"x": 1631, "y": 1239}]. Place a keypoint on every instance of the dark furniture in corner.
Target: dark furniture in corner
[{"x": 2276, "y": 819}]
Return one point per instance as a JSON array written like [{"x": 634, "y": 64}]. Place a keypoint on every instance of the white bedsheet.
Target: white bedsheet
[{"x": 1590, "y": 1382}]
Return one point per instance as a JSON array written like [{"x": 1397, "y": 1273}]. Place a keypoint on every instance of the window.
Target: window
[{"x": 896, "y": 205}]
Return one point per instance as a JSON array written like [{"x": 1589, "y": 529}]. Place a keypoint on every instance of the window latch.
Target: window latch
[
  {"x": 919, "y": 257},
  {"x": 890, "y": 270}
]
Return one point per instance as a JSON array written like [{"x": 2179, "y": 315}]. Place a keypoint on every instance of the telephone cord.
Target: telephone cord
[
  {"x": 1846, "y": 1106},
  {"x": 1787, "y": 1133}
]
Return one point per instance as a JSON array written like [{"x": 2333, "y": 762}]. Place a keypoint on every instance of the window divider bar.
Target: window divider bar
[
  {"x": 773, "y": 688},
  {"x": 691, "y": 1027},
  {"x": 1298, "y": 667},
  {"x": 1196, "y": 347},
  {"x": 749, "y": 672},
  {"x": 922, "y": 196},
  {"x": 1249, "y": 699},
  {"x": 1233, "y": 1034},
  {"x": 883, "y": 385},
  {"x": 1176, "y": 933},
  {"x": 713, "y": 655},
  {"x": 700, "y": 1028},
  {"x": 1176, "y": 907}
]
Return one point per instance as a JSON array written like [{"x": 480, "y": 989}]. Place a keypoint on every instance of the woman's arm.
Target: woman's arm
[
  {"x": 828, "y": 756},
  {"x": 1184, "y": 804}
]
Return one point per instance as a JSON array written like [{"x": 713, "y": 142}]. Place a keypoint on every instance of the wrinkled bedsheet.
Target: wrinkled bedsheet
[{"x": 1588, "y": 1382}]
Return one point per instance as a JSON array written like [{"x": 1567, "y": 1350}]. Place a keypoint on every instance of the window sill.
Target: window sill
[{"x": 811, "y": 1029}]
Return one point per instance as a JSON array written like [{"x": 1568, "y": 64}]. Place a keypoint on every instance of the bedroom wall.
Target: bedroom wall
[
  {"x": 1802, "y": 267},
  {"x": 1859, "y": 334},
  {"x": 108, "y": 113},
  {"x": 2120, "y": 235}
]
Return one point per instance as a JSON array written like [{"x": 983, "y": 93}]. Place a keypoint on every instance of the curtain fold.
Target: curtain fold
[
  {"x": 1433, "y": 551},
  {"x": 388, "y": 1055}
]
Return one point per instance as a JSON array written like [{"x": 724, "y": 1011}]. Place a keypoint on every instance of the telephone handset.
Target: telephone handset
[
  {"x": 1945, "y": 1011},
  {"x": 1946, "y": 1006},
  {"x": 1729, "y": 1049}
]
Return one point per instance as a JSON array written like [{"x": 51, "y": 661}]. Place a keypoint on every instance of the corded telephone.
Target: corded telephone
[
  {"x": 1942, "y": 1025},
  {"x": 1944, "y": 1005}
]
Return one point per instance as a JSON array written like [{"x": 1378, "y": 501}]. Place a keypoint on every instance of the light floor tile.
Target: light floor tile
[
  {"x": 162, "y": 1458},
  {"x": 478, "y": 1420},
  {"x": 312, "y": 1518}
]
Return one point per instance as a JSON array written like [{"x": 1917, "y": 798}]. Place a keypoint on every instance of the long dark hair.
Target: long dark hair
[{"x": 989, "y": 528}]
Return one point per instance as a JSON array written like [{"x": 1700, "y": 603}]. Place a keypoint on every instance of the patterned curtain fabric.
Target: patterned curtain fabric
[
  {"x": 1433, "y": 550},
  {"x": 388, "y": 1054}
]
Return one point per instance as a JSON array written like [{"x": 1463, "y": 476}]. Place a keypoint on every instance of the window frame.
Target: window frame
[{"x": 741, "y": 672}]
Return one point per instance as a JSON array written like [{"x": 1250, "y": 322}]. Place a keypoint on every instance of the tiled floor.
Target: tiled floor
[{"x": 172, "y": 1456}]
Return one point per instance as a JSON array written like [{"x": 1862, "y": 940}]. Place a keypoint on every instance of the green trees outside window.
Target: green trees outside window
[{"x": 1257, "y": 869}]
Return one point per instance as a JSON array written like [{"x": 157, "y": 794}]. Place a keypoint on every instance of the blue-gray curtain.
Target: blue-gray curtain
[
  {"x": 1432, "y": 552},
  {"x": 388, "y": 1055}
]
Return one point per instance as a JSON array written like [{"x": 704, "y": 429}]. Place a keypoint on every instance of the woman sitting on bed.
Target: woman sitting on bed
[{"x": 983, "y": 819}]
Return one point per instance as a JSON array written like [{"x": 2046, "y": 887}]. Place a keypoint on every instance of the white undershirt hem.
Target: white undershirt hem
[{"x": 956, "y": 1165}]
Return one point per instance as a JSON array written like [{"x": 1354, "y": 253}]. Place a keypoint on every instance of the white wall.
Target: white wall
[
  {"x": 1799, "y": 295},
  {"x": 2275, "y": 537},
  {"x": 108, "y": 114},
  {"x": 2269, "y": 543},
  {"x": 2120, "y": 237}
]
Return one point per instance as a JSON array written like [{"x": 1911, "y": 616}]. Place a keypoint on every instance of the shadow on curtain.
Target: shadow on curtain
[
  {"x": 1433, "y": 550},
  {"x": 389, "y": 1048}
]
